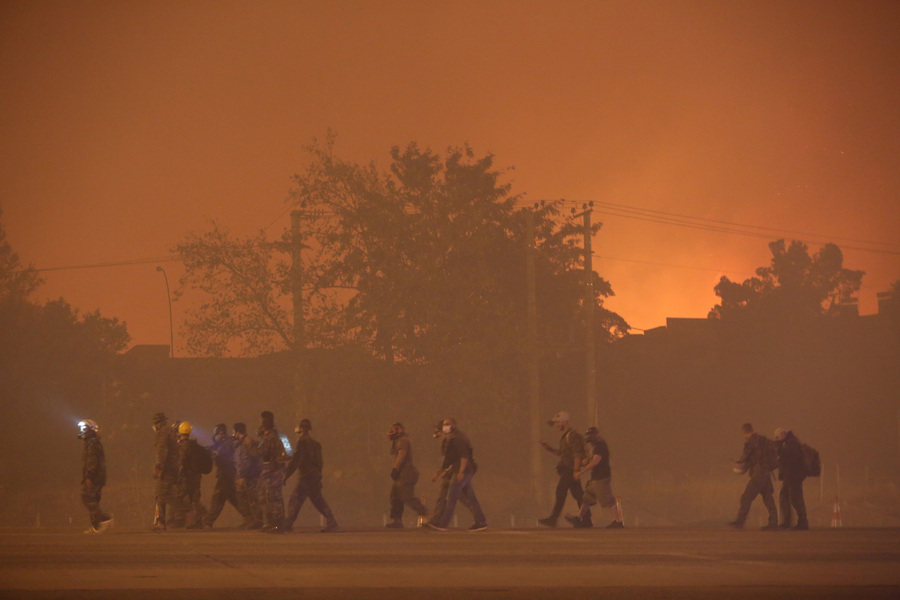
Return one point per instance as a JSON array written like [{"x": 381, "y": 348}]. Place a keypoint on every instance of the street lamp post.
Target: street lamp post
[{"x": 171, "y": 329}]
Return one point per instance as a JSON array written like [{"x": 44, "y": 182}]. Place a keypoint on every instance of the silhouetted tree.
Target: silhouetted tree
[
  {"x": 16, "y": 281},
  {"x": 795, "y": 286},
  {"x": 54, "y": 364},
  {"x": 419, "y": 263},
  {"x": 245, "y": 291}
]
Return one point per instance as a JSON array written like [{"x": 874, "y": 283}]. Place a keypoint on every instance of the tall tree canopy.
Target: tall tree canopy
[
  {"x": 794, "y": 286},
  {"x": 421, "y": 260},
  {"x": 53, "y": 366}
]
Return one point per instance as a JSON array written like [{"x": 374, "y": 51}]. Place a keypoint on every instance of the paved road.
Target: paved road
[{"x": 495, "y": 564}]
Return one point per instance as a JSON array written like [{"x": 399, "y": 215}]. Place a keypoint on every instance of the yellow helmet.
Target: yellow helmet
[{"x": 185, "y": 428}]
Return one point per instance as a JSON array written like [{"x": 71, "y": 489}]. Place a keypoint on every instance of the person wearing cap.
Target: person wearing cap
[
  {"x": 756, "y": 460},
  {"x": 459, "y": 462},
  {"x": 571, "y": 457},
  {"x": 165, "y": 470},
  {"x": 247, "y": 469},
  {"x": 307, "y": 462},
  {"x": 93, "y": 476},
  {"x": 222, "y": 452},
  {"x": 403, "y": 477},
  {"x": 599, "y": 488},
  {"x": 271, "y": 479},
  {"x": 791, "y": 473}
]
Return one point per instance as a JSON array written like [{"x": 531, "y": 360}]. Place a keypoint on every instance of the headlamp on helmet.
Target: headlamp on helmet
[{"x": 87, "y": 428}]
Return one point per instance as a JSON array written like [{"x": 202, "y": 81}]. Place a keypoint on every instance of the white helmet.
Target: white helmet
[{"x": 87, "y": 427}]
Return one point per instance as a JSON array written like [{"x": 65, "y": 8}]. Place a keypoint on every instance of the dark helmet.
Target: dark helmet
[
  {"x": 305, "y": 425},
  {"x": 240, "y": 428},
  {"x": 220, "y": 428},
  {"x": 591, "y": 432},
  {"x": 159, "y": 418}
]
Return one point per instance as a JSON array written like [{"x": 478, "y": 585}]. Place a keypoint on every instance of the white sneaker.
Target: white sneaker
[
  {"x": 92, "y": 530},
  {"x": 104, "y": 525}
]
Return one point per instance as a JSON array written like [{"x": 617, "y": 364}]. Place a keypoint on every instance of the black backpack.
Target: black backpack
[
  {"x": 201, "y": 459},
  {"x": 811, "y": 460}
]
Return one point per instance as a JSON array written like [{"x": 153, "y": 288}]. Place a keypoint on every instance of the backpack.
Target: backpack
[
  {"x": 201, "y": 460},
  {"x": 811, "y": 460}
]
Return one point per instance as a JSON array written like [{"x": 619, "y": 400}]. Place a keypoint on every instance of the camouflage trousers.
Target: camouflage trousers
[
  {"x": 165, "y": 497},
  {"x": 271, "y": 500},
  {"x": 90, "y": 497},
  {"x": 248, "y": 503},
  {"x": 189, "y": 511}
]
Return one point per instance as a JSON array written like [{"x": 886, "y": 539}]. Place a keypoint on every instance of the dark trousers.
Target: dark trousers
[
  {"x": 90, "y": 497},
  {"x": 567, "y": 483},
  {"x": 403, "y": 492},
  {"x": 791, "y": 495},
  {"x": 759, "y": 485},
  {"x": 461, "y": 491},
  {"x": 224, "y": 492},
  {"x": 441, "y": 502},
  {"x": 312, "y": 489}
]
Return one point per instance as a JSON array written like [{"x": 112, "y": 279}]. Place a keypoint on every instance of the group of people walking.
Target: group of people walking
[
  {"x": 760, "y": 458},
  {"x": 250, "y": 475},
  {"x": 251, "y": 472}
]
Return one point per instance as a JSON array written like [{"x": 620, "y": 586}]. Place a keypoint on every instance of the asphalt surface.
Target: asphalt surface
[{"x": 705, "y": 562}]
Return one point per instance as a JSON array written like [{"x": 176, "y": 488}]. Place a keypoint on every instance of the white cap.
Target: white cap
[{"x": 560, "y": 416}]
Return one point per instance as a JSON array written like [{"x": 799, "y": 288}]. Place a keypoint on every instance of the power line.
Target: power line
[
  {"x": 120, "y": 263},
  {"x": 639, "y": 210},
  {"x": 704, "y": 224}
]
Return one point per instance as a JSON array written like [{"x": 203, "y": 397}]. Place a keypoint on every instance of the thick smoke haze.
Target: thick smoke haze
[{"x": 125, "y": 126}]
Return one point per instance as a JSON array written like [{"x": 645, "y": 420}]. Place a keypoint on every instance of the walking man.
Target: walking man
[
  {"x": 247, "y": 471},
  {"x": 165, "y": 470},
  {"x": 403, "y": 476},
  {"x": 194, "y": 461},
  {"x": 222, "y": 452},
  {"x": 271, "y": 479},
  {"x": 791, "y": 472},
  {"x": 758, "y": 458},
  {"x": 458, "y": 460},
  {"x": 571, "y": 458},
  {"x": 93, "y": 476},
  {"x": 307, "y": 462},
  {"x": 599, "y": 488}
]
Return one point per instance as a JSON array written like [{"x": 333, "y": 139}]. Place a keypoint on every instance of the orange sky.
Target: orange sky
[{"x": 125, "y": 125}]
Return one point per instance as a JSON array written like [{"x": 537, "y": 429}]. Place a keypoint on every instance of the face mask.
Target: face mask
[{"x": 447, "y": 428}]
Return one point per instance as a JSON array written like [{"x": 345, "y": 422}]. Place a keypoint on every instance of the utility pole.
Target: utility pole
[
  {"x": 534, "y": 367},
  {"x": 300, "y": 396},
  {"x": 590, "y": 360}
]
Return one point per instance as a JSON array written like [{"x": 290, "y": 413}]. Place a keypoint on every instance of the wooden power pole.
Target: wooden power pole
[
  {"x": 534, "y": 366},
  {"x": 299, "y": 380},
  {"x": 590, "y": 359}
]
